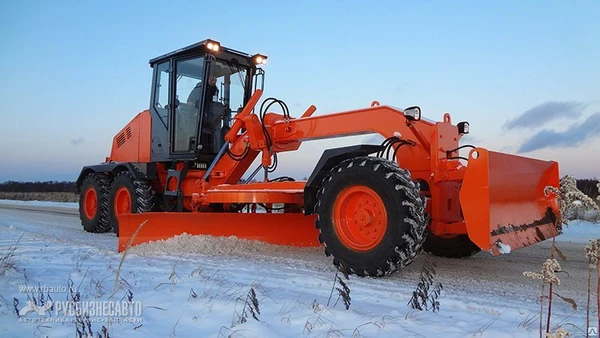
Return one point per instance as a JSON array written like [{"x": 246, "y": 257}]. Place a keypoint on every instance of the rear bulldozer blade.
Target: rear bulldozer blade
[
  {"x": 293, "y": 229},
  {"x": 503, "y": 201}
]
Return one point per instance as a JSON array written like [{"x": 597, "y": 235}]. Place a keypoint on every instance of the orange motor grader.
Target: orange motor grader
[{"x": 182, "y": 166}]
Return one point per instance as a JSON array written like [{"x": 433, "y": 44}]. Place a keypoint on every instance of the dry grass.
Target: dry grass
[
  {"x": 127, "y": 247},
  {"x": 251, "y": 307},
  {"x": 343, "y": 291},
  {"x": 592, "y": 252},
  {"x": 7, "y": 259},
  {"x": 427, "y": 292},
  {"x": 118, "y": 273},
  {"x": 574, "y": 204},
  {"x": 40, "y": 196}
]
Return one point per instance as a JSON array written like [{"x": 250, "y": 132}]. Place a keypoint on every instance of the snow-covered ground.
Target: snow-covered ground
[
  {"x": 40, "y": 203},
  {"x": 580, "y": 232},
  {"x": 197, "y": 287}
]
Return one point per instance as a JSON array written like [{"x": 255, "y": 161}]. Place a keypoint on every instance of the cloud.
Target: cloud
[
  {"x": 77, "y": 141},
  {"x": 572, "y": 137},
  {"x": 546, "y": 112}
]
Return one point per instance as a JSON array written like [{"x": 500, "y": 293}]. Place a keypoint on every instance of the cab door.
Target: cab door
[
  {"x": 186, "y": 106},
  {"x": 160, "y": 108}
]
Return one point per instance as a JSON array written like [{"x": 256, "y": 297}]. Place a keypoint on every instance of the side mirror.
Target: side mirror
[
  {"x": 412, "y": 113},
  {"x": 463, "y": 127}
]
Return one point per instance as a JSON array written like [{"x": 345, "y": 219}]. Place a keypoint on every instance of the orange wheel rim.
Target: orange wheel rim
[
  {"x": 122, "y": 201},
  {"x": 359, "y": 218},
  {"x": 90, "y": 204}
]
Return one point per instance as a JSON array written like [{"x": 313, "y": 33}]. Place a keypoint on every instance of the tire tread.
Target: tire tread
[{"x": 409, "y": 243}]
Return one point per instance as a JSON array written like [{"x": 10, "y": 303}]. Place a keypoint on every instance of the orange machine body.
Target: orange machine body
[
  {"x": 494, "y": 198},
  {"x": 132, "y": 143}
]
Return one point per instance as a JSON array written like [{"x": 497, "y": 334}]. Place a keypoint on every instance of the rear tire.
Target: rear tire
[
  {"x": 452, "y": 247},
  {"x": 93, "y": 203},
  {"x": 370, "y": 216},
  {"x": 129, "y": 195}
]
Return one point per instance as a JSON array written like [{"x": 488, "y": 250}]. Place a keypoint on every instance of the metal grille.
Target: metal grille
[{"x": 120, "y": 140}]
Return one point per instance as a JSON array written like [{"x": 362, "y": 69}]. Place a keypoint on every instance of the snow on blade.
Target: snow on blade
[{"x": 503, "y": 248}]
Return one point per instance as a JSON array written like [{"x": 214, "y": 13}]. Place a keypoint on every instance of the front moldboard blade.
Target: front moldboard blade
[
  {"x": 502, "y": 199},
  {"x": 293, "y": 229}
]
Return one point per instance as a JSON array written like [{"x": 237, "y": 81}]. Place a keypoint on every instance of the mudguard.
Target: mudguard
[
  {"x": 146, "y": 172},
  {"x": 329, "y": 159}
]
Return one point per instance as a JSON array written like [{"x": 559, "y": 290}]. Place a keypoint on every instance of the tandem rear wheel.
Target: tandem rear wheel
[
  {"x": 93, "y": 203},
  {"x": 370, "y": 216},
  {"x": 129, "y": 195},
  {"x": 102, "y": 199}
]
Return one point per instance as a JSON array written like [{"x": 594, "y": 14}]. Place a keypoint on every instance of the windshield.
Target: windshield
[
  {"x": 230, "y": 80},
  {"x": 225, "y": 96}
]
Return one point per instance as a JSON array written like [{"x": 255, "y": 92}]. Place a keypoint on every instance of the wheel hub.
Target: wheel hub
[
  {"x": 91, "y": 203},
  {"x": 360, "y": 218},
  {"x": 122, "y": 201}
]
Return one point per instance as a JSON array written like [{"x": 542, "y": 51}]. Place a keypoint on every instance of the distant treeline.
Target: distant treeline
[
  {"x": 588, "y": 187},
  {"x": 48, "y": 186}
]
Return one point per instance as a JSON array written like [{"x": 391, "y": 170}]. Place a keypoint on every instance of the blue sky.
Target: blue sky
[{"x": 74, "y": 73}]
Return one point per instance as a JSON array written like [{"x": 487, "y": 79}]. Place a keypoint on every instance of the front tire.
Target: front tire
[
  {"x": 370, "y": 216},
  {"x": 129, "y": 195},
  {"x": 93, "y": 203}
]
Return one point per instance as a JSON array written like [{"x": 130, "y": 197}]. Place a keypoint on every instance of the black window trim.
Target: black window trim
[{"x": 155, "y": 98}]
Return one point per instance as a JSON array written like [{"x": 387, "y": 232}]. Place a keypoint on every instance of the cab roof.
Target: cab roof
[{"x": 200, "y": 48}]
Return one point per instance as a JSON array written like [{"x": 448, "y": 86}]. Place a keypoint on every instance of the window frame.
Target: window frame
[
  {"x": 155, "y": 97},
  {"x": 173, "y": 94}
]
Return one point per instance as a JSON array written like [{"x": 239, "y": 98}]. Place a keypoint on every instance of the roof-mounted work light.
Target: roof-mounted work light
[
  {"x": 212, "y": 45},
  {"x": 259, "y": 59}
]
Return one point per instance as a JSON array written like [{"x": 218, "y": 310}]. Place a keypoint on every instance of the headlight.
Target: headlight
[{"x": 463, "y": 127}]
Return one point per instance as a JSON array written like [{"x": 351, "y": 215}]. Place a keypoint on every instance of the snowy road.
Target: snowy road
[{"x": 483, "y": 295}]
